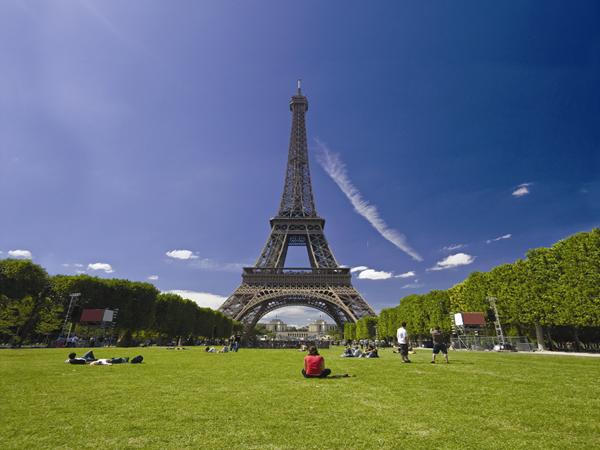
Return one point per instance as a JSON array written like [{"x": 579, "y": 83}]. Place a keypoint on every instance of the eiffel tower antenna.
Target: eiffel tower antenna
[{"x": 269, "y": 284}]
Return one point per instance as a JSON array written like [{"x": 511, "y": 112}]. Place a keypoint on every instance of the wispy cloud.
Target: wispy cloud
[
  {"x": 521, "y": 190},
  {"x": 20, "y": 254},
  {"x": 153, "y": 277},
  {"x": 336, "y": 169},
  {"x": 105, "y": 267},
  {"x": 205, "y": 263},
  {"x": 459, "y": 259},
  {"x": 452, "y": 247},
  {"x": 204, "y": 299},
  {"x": 358, "y": 269},
  {"x": 406, "y": 275},
  {"x": 499, "y": 238},
  {"x": 181, "y": 254},
  {"x": 413, "y": 286},
  {"x": 109, "y": 25},
  {"x": 210, "y": 264}
]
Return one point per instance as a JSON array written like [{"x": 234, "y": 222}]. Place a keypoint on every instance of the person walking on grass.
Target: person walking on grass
[
  {"x": 438, "y": 344},
  {"x": 402, "y": 337}
]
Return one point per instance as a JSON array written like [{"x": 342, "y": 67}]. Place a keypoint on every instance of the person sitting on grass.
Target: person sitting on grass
[
  {"x": 314, "y": 364},
  {"x": 357, "y": 352},
  {"x": 85, "y": 359},
  {"x": 371, "y": 352},
  {"x": 348, "y": 353}
]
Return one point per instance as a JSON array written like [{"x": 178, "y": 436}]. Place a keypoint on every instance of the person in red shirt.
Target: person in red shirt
[{"x": 314, "y": 364}]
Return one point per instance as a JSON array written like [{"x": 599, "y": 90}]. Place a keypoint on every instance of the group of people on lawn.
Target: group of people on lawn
[
  {"x": 356, "y": 352},
  {"x": 314, "y": 364}
]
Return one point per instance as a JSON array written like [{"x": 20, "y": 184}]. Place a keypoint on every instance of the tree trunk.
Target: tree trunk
[
  {"x": 550, "y": 344},
  {"x": 539, "y": 334},
  {"x": 577, "y": 341}
]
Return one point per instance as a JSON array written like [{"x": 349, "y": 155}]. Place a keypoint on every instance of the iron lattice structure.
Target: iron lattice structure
[{"x": 270, "y": 285}]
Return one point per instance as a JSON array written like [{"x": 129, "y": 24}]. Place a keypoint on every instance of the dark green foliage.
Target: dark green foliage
[
  {"x": 26, "y": 310},
  {"x": 32, "y": 306},
  {"x": 554, "y": 287},
  {"x": 366, "y": 328},
  {"x": 349, "y": 331}
]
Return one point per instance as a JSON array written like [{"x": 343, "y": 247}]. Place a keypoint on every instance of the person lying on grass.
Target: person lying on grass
[
  {"x": 90, "y": 359},
  {"x": 85, "y": 359}
]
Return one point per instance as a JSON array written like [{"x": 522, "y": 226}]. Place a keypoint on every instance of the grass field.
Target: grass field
[{"x": 258, "y": 399}]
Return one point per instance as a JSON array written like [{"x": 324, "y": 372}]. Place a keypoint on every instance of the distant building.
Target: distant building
[
  {"x": 292, "y": 335},
  {"x": 275, "y": 326},
  {"x": 320, "y": 327},
  {"x": 316, "y": 330}
]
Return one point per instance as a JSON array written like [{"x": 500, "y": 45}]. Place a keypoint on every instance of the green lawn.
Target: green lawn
[{"x": 258, "y": 399}]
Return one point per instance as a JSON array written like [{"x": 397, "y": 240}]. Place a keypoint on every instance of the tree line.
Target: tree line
[
  {"x": 33, "y": 306},
  {"x": 553, "y": 295}
]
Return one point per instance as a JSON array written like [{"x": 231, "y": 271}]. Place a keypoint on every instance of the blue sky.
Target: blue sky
[{"x": 132, "y": 129}]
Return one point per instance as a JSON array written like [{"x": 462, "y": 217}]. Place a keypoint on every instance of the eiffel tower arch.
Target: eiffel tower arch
[{"x": 269, "y": 285}]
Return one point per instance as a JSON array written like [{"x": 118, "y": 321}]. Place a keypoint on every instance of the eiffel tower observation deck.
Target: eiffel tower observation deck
[{"x": 269, "y": 284}]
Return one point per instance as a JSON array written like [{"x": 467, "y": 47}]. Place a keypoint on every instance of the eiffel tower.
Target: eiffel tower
[{"x": 269, "y": 285}]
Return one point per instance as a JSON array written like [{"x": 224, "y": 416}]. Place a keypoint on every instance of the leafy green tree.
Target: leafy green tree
[
  {"x": 24, "y": 302},
  {"x": 14, "y": 316},
  {"x": 349, "y": 331},
  {"x": 366, "y": 328}
]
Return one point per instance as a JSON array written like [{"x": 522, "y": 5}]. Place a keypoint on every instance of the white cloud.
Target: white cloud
[
  {"x": 335, "y": 168},
  {"x": 459, "y": 259},
  {"x": 107, "y": 268},
  {"x": 406, "y": 275},
  {"x": 521, "y": 190},
  {"x": 153, "y": 277},
  {"x": 78, "y": 265},
  {"x": 371, "y": 274},
  {"x": 297, "y": 316},
  {"x": 499, "y": 238},
  {"x": 23, "y": 254},
  {"x": 204, "y": 299},
  {"x": 452, "y": 247},
  {"x": 181, "y": 254},
  {"x": 412, "y": 286}
]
